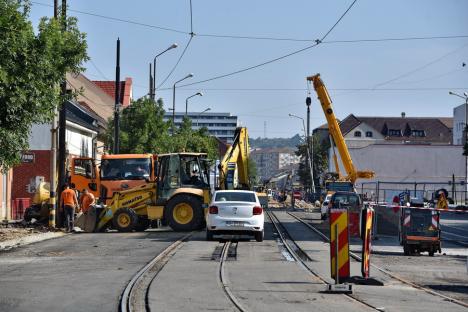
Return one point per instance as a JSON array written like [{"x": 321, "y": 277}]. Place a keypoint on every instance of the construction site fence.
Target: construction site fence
[
  {"x": 383, "y": 191},
  {"x": 387, "y": 217}
]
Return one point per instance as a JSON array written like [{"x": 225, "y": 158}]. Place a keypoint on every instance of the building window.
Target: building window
[
  {"x": 394, "y": 132},
  {"x": 418, "y": 133},
  {"x": 357, "y": 134},
  {"x": 368, "y": 134}
]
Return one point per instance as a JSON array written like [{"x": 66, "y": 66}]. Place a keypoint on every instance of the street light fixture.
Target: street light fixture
[
  {"x": 199, "y": 114},
  {"x": 186, "y": 101},
  {"x": 153, "y": 91},
  {"x": 309, "y": 157},
  {"x": 173, "y": 99},
  {"x": 465, "y": 97}
]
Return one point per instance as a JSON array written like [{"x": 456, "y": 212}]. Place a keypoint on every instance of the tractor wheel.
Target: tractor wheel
[
  {"x": 142, "y": 225},
  {"x": 125, "y": 220},
  {"x": 184, "y": 213},
  {"x": 406, "y": 250}
]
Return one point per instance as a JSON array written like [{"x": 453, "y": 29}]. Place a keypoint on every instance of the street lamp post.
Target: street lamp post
[
  {"x": 186, "y": 101},
  {"x": 199, "y": 114},
  {"x": 173, "y": 99},
  {"x": 153, "y": 80},
  {"x": 308, "y": 152},
  {"x": 465, "y": 130}
]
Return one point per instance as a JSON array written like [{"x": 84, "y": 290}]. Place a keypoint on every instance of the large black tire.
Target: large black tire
[
  {"x": 142, "y": 225},
  {"x": 259, "y": 236},
  {"x": 185, "y": 213},
  {"x": 125, "y": 220},
  {"x": 406, "y": 250}
]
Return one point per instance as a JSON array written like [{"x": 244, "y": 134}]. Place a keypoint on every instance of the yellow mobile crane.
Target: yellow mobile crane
[{"x": 335, "y": 132}]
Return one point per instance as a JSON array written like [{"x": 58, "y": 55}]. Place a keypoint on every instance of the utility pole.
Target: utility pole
[
  {"x": 309, "y": 143},
  {"x": 53, "y": 156},
  {"x": 151, "y": 82},
  {"x": 117, "y": 101},
  {"x": 62, "y": 125}
]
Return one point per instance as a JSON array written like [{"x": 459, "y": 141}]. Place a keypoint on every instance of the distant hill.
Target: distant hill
[{"x": 275, "y": 142}]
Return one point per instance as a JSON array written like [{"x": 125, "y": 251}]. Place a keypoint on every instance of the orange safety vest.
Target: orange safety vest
[
  {"x": 86, "y": 201},
  {"x": 68, "y": 197}
]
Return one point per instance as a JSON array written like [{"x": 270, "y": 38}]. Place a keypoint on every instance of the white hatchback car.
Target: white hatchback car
[
  {"x": 324, "y": 207},
  {"x": 235, "y": 212}
]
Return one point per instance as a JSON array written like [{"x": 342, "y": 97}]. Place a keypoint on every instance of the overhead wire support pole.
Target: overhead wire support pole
[
  {"x": 62, "y": 157},
  {"x": 117, "y": 100},
  {"x": 53, "y": 157}
]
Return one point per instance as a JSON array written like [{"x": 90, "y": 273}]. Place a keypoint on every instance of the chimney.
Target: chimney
[{"x": 403, "y": 114}]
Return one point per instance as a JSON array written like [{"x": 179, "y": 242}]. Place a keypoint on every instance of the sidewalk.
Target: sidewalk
[{"x": 11, "y": 237}]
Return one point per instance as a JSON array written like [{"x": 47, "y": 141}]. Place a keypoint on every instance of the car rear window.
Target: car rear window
[{"x": 235, "y": 196}]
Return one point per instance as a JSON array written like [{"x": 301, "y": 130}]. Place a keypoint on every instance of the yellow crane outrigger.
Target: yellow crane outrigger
[{"x": 335, "y": 132}]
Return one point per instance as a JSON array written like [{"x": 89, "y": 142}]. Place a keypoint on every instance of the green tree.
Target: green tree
[
  {"x": 320, "y": 160},
  {"x": 31, "y": 69},
  {"x": 143, "y": 130}
]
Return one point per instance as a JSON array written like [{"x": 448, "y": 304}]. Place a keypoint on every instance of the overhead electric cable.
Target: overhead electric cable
[
  {"x": 98, "y": 70},
  {"x": 317, "y": 42},
  {"x": 420, "y": 67},
  {"x": 118, "y": 19}
]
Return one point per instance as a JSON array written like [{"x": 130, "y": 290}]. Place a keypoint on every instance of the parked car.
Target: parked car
[
  {"x": 235, "y": 212},
  {"x": 324, "y": 207}
]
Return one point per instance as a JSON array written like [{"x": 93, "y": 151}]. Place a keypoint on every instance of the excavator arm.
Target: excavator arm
[
  {"x": 335, "y": 131},
  {"x": 236, "y": 163}
]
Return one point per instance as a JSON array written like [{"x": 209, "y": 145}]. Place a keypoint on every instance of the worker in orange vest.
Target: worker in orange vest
[
  {"x": 87, "y": 199},
  {"x": 68, "y": 203}
]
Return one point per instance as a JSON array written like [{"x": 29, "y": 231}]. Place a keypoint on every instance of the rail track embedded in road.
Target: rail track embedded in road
[
  {"x": 298, "y": 254},
  {"x": 388, "y": 273},
  {"x": 135, "y": 295},
  {"x": 223, "y": 279}
]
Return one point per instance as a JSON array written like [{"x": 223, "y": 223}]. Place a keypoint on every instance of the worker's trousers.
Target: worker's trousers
[{"x": 69, "y": 217}]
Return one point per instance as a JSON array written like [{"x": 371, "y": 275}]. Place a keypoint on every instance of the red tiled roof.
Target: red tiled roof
[{"x": 108, "y": 86}]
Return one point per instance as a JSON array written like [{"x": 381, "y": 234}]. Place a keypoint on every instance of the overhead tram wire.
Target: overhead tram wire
[
  {"x": 317, "y": 42},
  {"x": 420, "y": 67},
  {"x": 118, "y": 19}
]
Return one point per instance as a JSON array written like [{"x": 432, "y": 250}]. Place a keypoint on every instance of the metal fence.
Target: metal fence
[{"x": 383, "y": 191}]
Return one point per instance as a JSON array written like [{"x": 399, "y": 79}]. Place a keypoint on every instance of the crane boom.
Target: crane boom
[
  {"x": 335, "y": 132},
  {"x": 236, "y": 162}
]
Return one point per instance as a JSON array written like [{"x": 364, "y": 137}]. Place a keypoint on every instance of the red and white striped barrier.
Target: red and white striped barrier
[{"x": 397, "y": 207}]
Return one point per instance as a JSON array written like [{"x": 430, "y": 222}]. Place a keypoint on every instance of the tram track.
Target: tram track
[
  {"x": 287, "y": 241},
  {"x": 134, "y": 297},
  {"x": 383, "y": 270}
]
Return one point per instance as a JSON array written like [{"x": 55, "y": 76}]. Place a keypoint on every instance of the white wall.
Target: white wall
[
  {"x": 408, "y": 163},
  {"x": 459, "y": 123},
  {"x": 78, "y": 139},
  {"x": 40, "y": 137},
  {"x": 363, "y": 141}
]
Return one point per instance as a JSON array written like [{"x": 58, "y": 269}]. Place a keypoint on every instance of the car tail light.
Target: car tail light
[
  {"x": 257, "y": 210},
  {"x": 213, "y": 210}
]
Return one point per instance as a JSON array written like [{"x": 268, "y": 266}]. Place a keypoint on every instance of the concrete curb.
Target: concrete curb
[{"x": 30, "y": 239}]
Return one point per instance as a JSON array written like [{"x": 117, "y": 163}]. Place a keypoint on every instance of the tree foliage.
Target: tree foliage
[
  {"x": 275, "y": 142},
  {"x": 31, "y": 69},
  {"x": 143, "y": 130},
  {"x": 320, "y": 160}
]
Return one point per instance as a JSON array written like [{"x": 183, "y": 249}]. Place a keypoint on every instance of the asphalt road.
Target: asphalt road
[
  {"x": 78, "y": 272},
  {"x": 446, "y": 273},
  {"x": 455, "y": 227}
]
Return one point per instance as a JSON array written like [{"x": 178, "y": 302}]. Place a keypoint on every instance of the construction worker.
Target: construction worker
[
  {"x": 68, "y": 202},
  {"x": 87, "y": 199}
]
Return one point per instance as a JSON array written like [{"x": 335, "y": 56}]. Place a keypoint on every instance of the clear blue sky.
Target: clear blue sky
[{"x": 430, "y": 68}]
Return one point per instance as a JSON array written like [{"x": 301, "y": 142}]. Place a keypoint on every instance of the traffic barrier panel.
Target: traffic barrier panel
[
  {"x": 339, "y": 244},
  {"x": 366, "y": 233},
  {"x": 18, "y": 206}
]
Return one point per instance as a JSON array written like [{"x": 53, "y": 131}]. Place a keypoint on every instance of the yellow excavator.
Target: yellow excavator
[
  {"x": 234, "y": 167},
  {"x": 343, "y": 183},
  {"x": 178, "y": 197}
]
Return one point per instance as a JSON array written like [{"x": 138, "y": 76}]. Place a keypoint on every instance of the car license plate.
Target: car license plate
[{"x": 235, "y": 223}]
